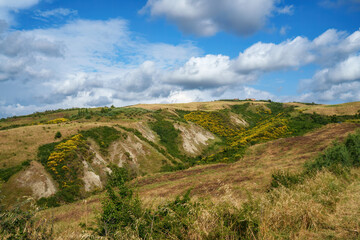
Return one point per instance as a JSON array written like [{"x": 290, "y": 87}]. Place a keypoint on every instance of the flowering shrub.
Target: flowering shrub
[
  {"x": 58, "y": 120},
  {"x": 64, "y": 162},
  {"x": 214, "y": 122}
]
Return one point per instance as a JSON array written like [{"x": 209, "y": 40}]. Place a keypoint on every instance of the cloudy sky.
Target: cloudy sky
[{"x": 75, "y": 53}]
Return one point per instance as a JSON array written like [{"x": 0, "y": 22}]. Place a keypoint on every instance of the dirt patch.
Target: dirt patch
[
  {"x": 38, "y": 180},
  {"x": 236, "y": 120},
  {"x": 194, "y": 138},
  {"x": 145, "y": 130},
  {"x": 91, "y": 180},
  {"x": 138, "y": 154}
]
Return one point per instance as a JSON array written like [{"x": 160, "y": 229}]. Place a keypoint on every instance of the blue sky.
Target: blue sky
[{"x": 71, "y": 53}]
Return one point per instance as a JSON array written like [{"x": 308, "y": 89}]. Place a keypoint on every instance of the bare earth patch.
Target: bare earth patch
[{"x": 194, "y": 138}]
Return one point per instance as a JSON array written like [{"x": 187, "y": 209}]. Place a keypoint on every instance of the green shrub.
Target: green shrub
[
  {"x": 6, "y": 173},
  {"x": 103, "y": 136},
  {"x": 118, "y": 176},
  {"x": 168, "y": 135},
  {"x": 333, "y": 158},
  {"x": 57, "y": 135},
  {"x": 352, "y": 144}
]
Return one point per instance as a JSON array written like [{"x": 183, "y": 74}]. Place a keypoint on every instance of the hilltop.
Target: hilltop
[{"x": 221, "y": 150}]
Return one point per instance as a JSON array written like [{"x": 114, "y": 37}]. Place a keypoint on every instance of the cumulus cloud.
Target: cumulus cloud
[
  {"x": 207, "y": 17},
  {"x": 87, "y": 63},
  {"x": 270, "y": 57},
  {"x": 207, "y": 72}
]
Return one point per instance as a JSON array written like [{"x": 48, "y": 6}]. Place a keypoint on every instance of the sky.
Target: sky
[{"x": 75, "y": 53}]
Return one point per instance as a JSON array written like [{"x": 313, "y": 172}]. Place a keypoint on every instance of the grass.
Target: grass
[
  {"x": 7, "y": 173},
  {"x": 20, "y": 144}
]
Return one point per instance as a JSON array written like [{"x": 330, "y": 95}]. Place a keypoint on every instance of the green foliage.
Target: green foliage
[
  {"x": 63, "y": 160},
  {"x": 168, "y": 135},
  {"x": 286, "y": 179},
  {"x": 252, "y": 114},
  {"x": 17, "y": 223},
  {"x": 6, "y": 173},
  {"x": 118, "y": 176},
  {"x": 103, "y": 136},
  {"x": 57, "y": 135},
  {"x": 124, "y": 216},
  {"x": 352, "y": 144},
  {"x": 333, "y": 158},
  {"x": 339, "y": 157}
]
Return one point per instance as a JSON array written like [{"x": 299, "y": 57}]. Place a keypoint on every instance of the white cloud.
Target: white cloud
[
  {"x": 18, "y": 4},
  {"x": 8, "y": 7},
  {"x": 265, "y": 57},
  {"x": 87, "y": 63},
  {"x": 207, "y": 17},
  {"x": 289, "y": 10},
  {"x": 284, "y": 30},
  {"x": 55, "y": 13},
  {"x": 344, "y": 72},
  {"x": 207, "y": 72}
]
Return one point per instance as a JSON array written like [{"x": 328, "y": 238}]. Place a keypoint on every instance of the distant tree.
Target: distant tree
[{"x": 58, "y": 135}]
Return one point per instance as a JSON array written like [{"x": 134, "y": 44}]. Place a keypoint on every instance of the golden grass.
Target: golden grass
[
  {"x": 20, "y": 144},
  {"x": 67, "y": 218},
  {"x": 351, "y": 108},
  {"x": 195, "y": 106}
]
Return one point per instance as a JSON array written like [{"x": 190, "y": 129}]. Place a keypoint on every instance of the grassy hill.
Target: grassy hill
[{"x": 224, "y": 151}]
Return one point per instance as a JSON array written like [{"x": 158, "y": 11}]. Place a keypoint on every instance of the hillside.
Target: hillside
[{"x": 222, "y": 150}]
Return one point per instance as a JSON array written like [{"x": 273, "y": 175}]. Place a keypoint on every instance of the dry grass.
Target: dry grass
[
  {"x": 340, "y": 109},
  {"x": 195, "y": 106},
  {"x": 67, "y": 219},
  {"x": 20, "y": 144}
]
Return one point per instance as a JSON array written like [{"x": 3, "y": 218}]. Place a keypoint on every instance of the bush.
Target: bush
[
  {"x": 103, "y": 136},
  {"x": 168, "y": 135},
  {"x": 352, "y": 144},
  {"x": 333, "y": 158},
  {"x": 58, "y": 135}
]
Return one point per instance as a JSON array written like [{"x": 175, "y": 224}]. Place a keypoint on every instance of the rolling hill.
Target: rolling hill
[{"x": 223, "y": 151}]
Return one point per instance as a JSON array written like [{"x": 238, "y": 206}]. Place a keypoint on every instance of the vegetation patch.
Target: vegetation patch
[
  {"x": 169, "y": 136},
  {"x": 6, "y": 173},
  {"x": 57, "y": 120},
  {"x": 64, "y": 162},
  {"x": 103, "y": 136}
]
